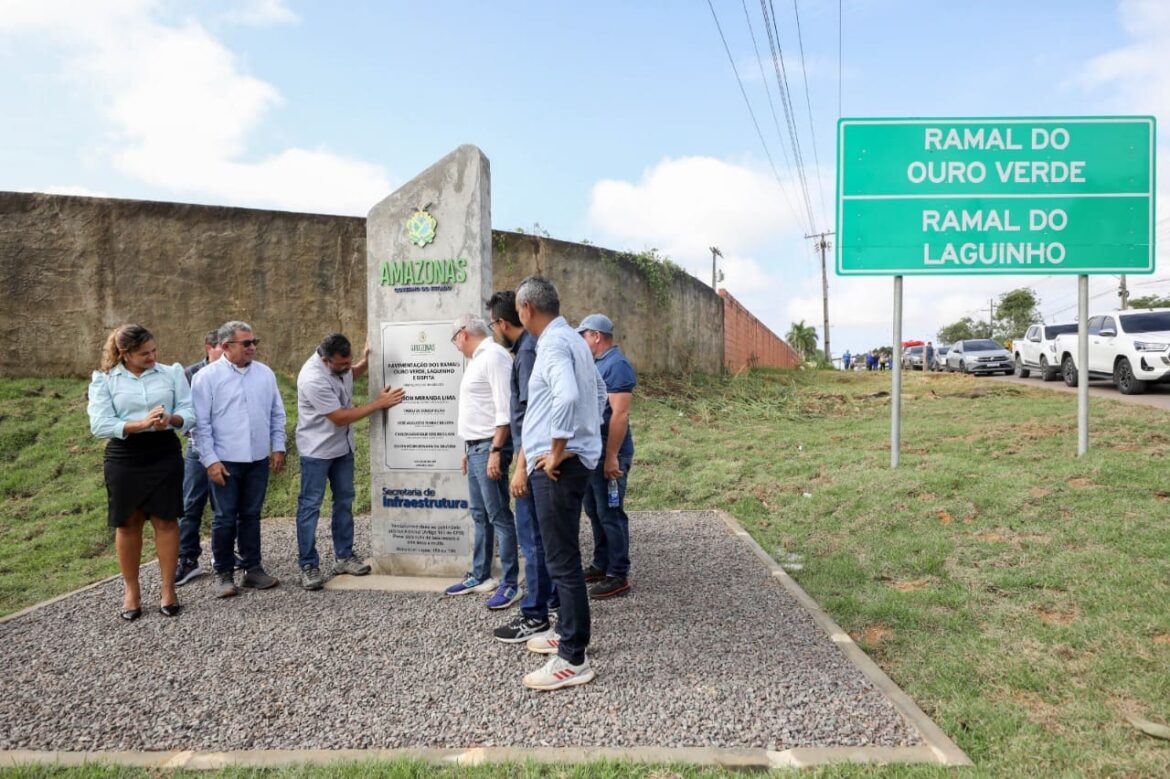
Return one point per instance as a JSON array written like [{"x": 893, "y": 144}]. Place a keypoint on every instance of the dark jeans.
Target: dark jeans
[
  {"x": 538, "y": 586},
  {"x": 558, "y": 512},
  {"x": 237, "y": 507},
  {"x": 314, "y": 472},
  {"x": 195, "y": 494},
  {"x": 611, "y": 526}
]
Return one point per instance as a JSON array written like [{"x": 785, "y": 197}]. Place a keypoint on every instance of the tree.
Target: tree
[
  {"x": 962, "y": 330},
  {"x": 802, "y": 338},
  {"x": 1015, "y": 312},
  {"x": 1149, "y": 301}
]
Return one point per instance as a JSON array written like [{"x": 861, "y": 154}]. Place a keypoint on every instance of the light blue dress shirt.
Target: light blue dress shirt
[
  {"x": 566, "y": 397},
  {"x": 238, "y": 411},
  {"x": 118, "y": 396}
]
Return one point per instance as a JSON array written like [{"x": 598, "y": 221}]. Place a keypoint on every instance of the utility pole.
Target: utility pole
[
  {"x": 824, "y": 245},
  {"x": 1123, "y": 293},
  {"x": 991, "y": 317},
  {"x": 714, "y": 253}
]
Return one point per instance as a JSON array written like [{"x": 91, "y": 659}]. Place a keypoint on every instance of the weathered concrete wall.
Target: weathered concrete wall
[
  {"x": 72, "y": 268},
  {"x": 748, "y": 343},
  {"x": 673, "y": 326}
]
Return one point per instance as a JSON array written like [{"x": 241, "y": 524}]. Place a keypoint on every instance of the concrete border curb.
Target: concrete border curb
[
  {"x": 937, "y": 747},
  {"x": 943, "y": 750}
]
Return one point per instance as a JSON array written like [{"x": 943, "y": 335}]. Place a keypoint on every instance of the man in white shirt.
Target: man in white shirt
[
  {"x": 325, "y": 441},
  {"x": 485, "y": 426}
]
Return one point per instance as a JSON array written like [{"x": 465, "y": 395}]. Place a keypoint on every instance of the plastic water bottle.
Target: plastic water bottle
[{"x": 614, "y": 496}]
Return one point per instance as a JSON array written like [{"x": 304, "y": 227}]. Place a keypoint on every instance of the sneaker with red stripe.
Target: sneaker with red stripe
[
  {"x": 544, "y": 644},
  {"x": 559, "y": 672}
]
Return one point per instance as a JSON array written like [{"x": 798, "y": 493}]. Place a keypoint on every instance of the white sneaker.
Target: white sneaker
[
  {"x": 487, "y": 585},
  {"x": 559, "y": 672},
  {"x": 544, "y": 644}
]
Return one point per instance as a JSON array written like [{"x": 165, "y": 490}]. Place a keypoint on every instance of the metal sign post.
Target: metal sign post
[
  {"x": 1083, "y": 361},
  {"x": 896, "y": 392}
]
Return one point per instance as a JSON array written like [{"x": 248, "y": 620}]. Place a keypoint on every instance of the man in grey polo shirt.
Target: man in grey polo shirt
[{"x": 325, "y": 441}]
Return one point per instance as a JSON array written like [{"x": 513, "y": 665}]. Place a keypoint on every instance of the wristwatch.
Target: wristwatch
[{"x": 497, "y": 449}]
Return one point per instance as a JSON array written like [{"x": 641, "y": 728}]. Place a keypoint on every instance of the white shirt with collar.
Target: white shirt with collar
[{"x": 485, "y": 393}]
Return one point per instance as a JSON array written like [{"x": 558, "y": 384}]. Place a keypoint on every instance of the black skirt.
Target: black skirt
[{"x": 144, "y": 471}]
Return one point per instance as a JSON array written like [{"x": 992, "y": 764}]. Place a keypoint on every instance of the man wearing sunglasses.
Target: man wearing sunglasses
[{"x": 239, "y": 430}]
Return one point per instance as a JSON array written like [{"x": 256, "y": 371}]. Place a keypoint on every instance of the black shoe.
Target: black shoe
[
  {"x": 225, "y": 587},
  {"x": 520, "y": 629},
  {"x": 188, "y": 570},
  {"x": 170, "y": 610},
  {"x": 258, "y": 579},
  {"x": 611, "y": 586},
  {"x": 130, "y": 614},
  {"x": 593, "y": 574}
]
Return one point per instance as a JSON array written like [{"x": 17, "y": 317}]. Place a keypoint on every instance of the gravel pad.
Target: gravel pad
[{"x": 706, "y": 650}]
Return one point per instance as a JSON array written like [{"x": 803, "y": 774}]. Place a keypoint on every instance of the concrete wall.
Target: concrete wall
[
  {"x": 748, "y": 343},
  {"x": 72, "y": 268},
  {"x": 672, "y": 328}
]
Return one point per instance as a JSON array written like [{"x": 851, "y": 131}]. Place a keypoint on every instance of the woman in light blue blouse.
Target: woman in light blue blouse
[{"x": 138, "y": 405}]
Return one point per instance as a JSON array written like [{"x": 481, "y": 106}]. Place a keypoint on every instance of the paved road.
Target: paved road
[{"x": 1157, "y": 396}]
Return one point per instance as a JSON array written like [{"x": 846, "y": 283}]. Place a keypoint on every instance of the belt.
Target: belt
[{"x": 477, "y": 441}]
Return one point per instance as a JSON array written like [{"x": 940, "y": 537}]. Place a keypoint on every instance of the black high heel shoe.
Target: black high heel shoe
[
  {"x": 170, "y": 610},
  {"x": 130, "y": 614}
]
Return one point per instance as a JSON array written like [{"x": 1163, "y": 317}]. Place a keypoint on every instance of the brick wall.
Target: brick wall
[{"x": 747, "y": 342}]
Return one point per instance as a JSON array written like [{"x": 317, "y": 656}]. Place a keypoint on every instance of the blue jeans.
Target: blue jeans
[
  {"x": 195, "y": 494},
  {"x": 558, "y": 510},
  {"x": 314, "y": 472},
  {"x": 237, "y": 507},
  {"x": 491, "y": 514},
  {"x": 611, "y": 526},
  {"x": 538, "y": 585}
]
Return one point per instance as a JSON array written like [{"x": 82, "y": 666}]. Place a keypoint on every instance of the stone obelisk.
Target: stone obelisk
[{"x": 428, "y": 248}]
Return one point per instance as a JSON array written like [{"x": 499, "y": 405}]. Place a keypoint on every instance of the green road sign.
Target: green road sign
[{"x": 995, "y": 195}]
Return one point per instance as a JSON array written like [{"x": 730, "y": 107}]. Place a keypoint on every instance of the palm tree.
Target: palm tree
[{"x": 802, "y": 338}]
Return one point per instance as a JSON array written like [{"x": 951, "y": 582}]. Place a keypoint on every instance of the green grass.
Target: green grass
[{"x": 1019, "y": 594}]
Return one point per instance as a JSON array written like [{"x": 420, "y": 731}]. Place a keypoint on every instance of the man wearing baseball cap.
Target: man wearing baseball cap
[{"x": 606, "y": 495}]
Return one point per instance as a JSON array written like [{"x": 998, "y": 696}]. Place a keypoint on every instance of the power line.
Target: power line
[
  {"x": 808, "y": 102},
  {"x": 747, "y": 102},
  {"x": 768, "y": 93},
  {"x": 786, "y": 101}
]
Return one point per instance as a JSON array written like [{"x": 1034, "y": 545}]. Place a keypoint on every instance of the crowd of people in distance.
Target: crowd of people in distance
[{"x": 537, "y": 393}]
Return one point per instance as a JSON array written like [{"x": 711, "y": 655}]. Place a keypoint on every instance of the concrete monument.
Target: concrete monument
[{"x": 429, "y": 260}]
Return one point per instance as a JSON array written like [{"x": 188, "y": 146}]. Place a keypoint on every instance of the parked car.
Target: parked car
[
  {"x": 1130, "y": 348},
  {"x": 912, "y": 358},
  {"x": 980, "y": 355},
  {"x": 939, "y": 361},
  {"x": 1036, "y": 351}
]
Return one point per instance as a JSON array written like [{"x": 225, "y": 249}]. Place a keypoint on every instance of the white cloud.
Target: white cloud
[
  {"x": 261, "y": 13},
  {"x": 74, "y": 189},
  {"x": 683, "y": 206},
  {"x": 181, "y": 110}
]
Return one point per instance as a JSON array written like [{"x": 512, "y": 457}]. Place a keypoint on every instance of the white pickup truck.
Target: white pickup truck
[
  {"x": 1131, "y": 348},
  {"x": 1036, "y": 351}
]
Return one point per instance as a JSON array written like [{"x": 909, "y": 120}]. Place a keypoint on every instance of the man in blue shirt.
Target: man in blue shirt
[
  {"x": 562, "y": 446},
  {"x": 605, "y": 498},
  {"x": 239, "y": 429},
  {"x": 534, "y": 608}
]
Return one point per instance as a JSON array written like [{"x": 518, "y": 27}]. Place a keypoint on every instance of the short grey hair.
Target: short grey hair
[
  {"x": 228, "y": 330},
  {"x": 472, "y": 324},
  {"x": 540, "y": 293}
]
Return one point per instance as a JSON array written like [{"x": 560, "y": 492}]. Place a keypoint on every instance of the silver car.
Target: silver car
[{"x": 981, "y": 355}]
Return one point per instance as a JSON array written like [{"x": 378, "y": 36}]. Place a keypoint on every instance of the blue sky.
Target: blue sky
[{"x": 617, "y": 122}]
